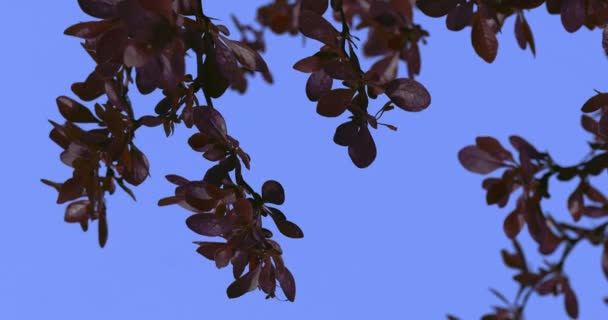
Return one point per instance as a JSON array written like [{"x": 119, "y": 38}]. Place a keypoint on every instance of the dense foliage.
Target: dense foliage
[{"x": 145, "y": 43}]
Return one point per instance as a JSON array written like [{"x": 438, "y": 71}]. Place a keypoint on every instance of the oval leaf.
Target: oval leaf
[
  {"x": 408, "y": 94},
  {"x": 273, "y": 192}
]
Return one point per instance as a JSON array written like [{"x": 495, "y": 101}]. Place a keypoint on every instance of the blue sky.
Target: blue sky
[{"x": 408, "y": 238}]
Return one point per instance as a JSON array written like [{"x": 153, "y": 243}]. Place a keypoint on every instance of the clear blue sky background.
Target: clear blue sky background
[{"x": 408, "y": 238}]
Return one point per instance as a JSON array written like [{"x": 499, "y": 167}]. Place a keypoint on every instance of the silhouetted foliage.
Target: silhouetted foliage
[{"x": 145, "y": 42}]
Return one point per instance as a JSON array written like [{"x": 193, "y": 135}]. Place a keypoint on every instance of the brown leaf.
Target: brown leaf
[
  {"x": 73, "y": 111},
  {"x": 570, "y": 301},
  {"x": 288, "y": 284},
  {"x": 573, "y": 14},
  {"x": 246, "y": 283},
  {"x": 318, "y": 84},
  {"x": 483, "y": 38},
  {"x": 576, "y": 204},
  {"x": 408, "y": 94},
  {"x": 362, "y": 151},
  {"x": 273, "y": 192},
  {"x": 595, "y": 103},
  {"x": 460, "y": 16},
  {"x": 208, "y": 224},
  {"x": 314, "y": 26},
  {"x": 334, "y": 102},
  {"x": 476, "y": 160},
  {"x": 77, "y": 211}
]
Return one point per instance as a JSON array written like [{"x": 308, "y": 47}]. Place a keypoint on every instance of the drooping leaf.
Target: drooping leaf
[
  {"x": 570, "y": 301},
  {"x": 483, "y": 38},
  {"x": 346, "y": 134},
  {"x": 288, "y": 284},
  {"x": 267, "y": 279},
  {"x": 572, "y": 14},
  {"x": 460, "y": 16},
  {"x": 576, "y": 204},
  {"x": 362, "y": 151},
  {"x": 139, "y": 167},
  {"x": 222, "y": 256}
]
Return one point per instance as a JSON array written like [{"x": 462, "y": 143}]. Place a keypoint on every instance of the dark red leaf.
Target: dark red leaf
[
  {"x": 595, "y": 103},
  {"x": 318, "y": 84},
  {"x": 250, "y": 59},
  {"x": 267, "y": 279},
  {"x": 244, "y": 209},
  {"x": 594, "y": 212},
  {"x": 197, "y": 196},
  {"x": 573, "y": 14},
  {"x": 476, "y": 160},
  {"x": 222, "y": 256},
  {"x": 523, "y": 33},
  {"x": 246, "y": 283},
  {"x": 208, "y": 249},
  {"x": 570, "y": 301},
  {"x": 513, "y": 224},
  {"x": 335, "y": 102},
  {"x": 102, "y": 228},
  {"x": 288, "y": 284},
  {"x": 102, "y": 9},
  {"x": 77, "y": 211},
  {"x": 71, "y": 189},
  {"x": 210, "y": 122},
  {"x": 408, "y": 94},
  {"x": 208, "y": 224},
  {"x": 138, "y": 168},
  {"x": 436, "y": 8},
  {"x": 273, "y": 192},
  {"x": 137, "y": 54},
  {"x": 289, "y": 229},
  {"x": 460, "y": 16},
  {"x": 576, "y": 204},
  {"x": 386, "y": 68},
  {"x": 512, "y": 260},
  {"x": 74, "y": 111},
  {"x": 483, "y": 38},
  {"x": 362, "y": 151},
  {"x": 314, "y": 26},
  {"x": 308, "y": 64},
  {"x": 493, "y": 147},
  {"x": 346, "y": 134},
  {"x": 90, "y": 29},
  {"x": 239, "y": 262}
]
